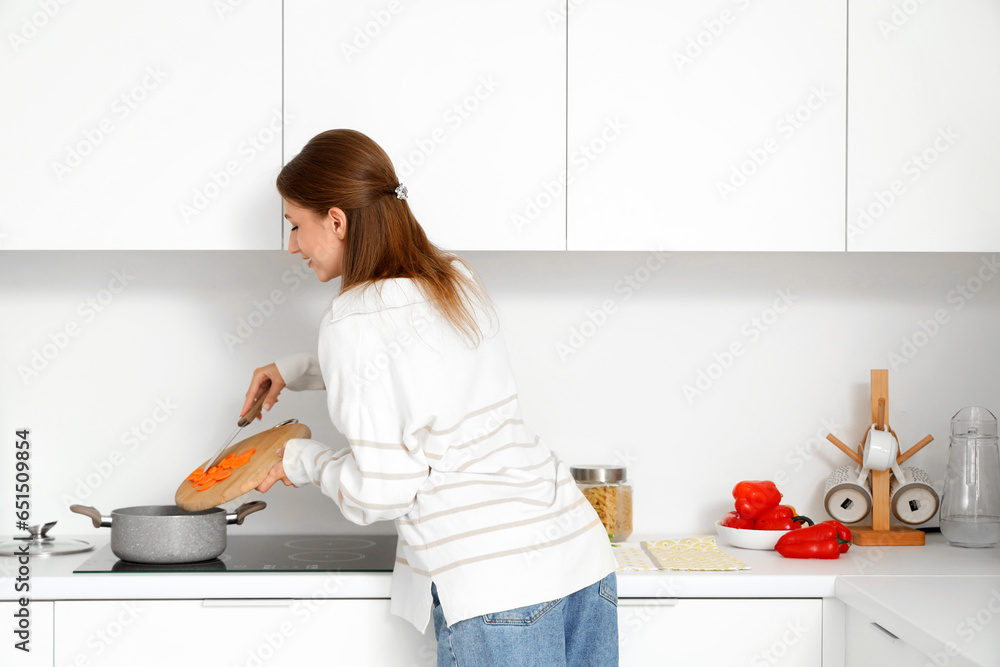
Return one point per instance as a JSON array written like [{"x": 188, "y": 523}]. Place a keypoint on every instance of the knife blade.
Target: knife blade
[{"x": 241, "y": 424}]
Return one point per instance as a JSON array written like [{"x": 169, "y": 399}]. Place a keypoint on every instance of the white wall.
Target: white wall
[{"x": 161, "y": 339}]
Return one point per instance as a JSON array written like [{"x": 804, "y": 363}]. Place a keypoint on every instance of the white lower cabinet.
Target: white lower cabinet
[
  {"x": 236, "y": 633},
  {"x": 37, "y": 624},
  {"x": 258, "y": 633},
  {"x": 723, "y": 632},
  {"x": 868, "y": 644}
]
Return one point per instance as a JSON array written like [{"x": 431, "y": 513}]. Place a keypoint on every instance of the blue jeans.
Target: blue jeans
[{"x": 579, "y": 629}]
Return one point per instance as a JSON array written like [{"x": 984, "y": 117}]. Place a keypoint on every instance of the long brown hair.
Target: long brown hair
[{"x": 347, "y": 170}]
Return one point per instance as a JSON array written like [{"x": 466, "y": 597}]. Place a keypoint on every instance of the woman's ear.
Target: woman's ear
[{"x": 336, "y": 222}]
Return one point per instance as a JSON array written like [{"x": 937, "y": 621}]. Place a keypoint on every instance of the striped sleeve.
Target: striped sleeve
[
  {"x": 375, "y": 479},
  {"x": 300, "y": 372}
]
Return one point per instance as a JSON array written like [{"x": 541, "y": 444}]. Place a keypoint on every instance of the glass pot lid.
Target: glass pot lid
[{"x": 39, "y": 544}]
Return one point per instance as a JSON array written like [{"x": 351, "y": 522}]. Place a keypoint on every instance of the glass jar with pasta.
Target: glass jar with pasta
[{"x": 610, "y": 493}]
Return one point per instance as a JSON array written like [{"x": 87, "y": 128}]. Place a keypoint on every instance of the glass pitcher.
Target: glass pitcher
[{"x": 970, "y": 505}]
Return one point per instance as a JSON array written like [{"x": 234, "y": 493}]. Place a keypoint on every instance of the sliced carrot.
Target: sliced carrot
[
  {"x": 245, "y": 456},
  {"x": 203, "y": 479}
]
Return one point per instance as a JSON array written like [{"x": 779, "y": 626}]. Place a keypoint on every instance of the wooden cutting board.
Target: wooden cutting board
[{"x": 248, "y": 476}]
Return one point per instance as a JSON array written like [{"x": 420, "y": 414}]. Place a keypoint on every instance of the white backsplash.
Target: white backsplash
[{"x": 696, "y": 370}]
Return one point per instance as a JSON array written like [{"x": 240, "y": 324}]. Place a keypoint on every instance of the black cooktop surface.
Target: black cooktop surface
[{"x": 273, "y": 553}]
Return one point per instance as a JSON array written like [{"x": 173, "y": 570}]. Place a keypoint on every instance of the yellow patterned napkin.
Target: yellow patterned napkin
[{"x": 695, "y": 554}]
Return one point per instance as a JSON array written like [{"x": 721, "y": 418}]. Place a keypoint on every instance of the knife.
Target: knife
[{"x": 243, "y": 422}]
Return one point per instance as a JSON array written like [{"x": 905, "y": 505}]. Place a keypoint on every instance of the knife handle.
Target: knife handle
[{"x": 254, "y": 410}]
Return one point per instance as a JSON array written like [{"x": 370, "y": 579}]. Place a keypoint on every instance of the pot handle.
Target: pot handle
[
  {"x": 95, "y": 516},
  {"x": 243, "y": 510}
]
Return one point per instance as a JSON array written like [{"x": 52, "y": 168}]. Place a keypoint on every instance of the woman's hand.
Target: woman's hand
[
  {"x": 276, "y": 474},
  {"x": 266, "y": 378}
]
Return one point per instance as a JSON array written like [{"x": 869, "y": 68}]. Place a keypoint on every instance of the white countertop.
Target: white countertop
[
  {"x": 770, "y": 576},
  {"x": 924, "y": 595},
  {"x": 52, "y": 578},
  {"x": 774, "y": 576}
]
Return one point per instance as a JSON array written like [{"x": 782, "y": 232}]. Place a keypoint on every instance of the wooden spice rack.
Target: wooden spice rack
[{"x": 880, "y": 532}]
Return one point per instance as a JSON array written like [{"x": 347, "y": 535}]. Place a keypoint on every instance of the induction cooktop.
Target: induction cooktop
[{"x": 273, "y": 553}]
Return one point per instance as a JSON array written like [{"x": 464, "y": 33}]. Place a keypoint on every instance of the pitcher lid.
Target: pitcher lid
[{"x": 974, "y": 421}]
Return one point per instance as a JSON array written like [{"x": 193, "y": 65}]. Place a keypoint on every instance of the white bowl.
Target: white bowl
[{"x": 745, "y": 538}]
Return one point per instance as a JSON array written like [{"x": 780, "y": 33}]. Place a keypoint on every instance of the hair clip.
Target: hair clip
[{"x": 401, "y": 192}]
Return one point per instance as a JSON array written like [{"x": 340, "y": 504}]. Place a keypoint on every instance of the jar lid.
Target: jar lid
[{"x": 598, "y": 473}]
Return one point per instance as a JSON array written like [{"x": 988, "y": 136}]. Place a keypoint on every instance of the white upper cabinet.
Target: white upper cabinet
[
  {"x": 140, "y": 125},
  {"x": 923, "y": 130},
  {"x": 726, "y": 125},
  {"x": 467, "y": 98},
  {"x": 707, "y": 126}
]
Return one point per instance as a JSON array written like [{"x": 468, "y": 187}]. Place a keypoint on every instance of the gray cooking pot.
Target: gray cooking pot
[{"x": 166, "y": 533}]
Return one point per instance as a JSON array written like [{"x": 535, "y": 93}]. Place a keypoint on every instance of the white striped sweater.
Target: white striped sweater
[{"x": 437, "y": 444}]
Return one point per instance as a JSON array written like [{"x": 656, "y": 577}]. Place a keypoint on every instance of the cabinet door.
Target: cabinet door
[
  {"x": 870, "y": 645},
  {"x": 467, "y": 99},
  {"x": 721, "y": 632},
  {"x": 923, "y": 133},
  {"x": 140, "y": 125},
  {"x": 707, "y": 126},
  {"x": 168, "y": 633},
  {"x": 39, "y": 634}
]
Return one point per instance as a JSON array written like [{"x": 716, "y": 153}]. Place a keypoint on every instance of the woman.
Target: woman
[{"x": 495, "y": 540}]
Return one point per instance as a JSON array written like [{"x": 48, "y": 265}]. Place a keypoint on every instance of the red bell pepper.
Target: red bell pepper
[
  {"x": 843, "y": 535},
  {"x": 753, "y": 498},
  {"x": 734, "y": 520},
  {"x": 780, "y": 517},
  {"x": 824, "y": 540}
]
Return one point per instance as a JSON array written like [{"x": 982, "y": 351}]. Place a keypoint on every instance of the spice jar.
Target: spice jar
[{"x": 607, "y": 489}]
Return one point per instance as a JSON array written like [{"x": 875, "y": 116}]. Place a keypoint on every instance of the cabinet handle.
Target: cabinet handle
[
  {"x": 891, "y": 637},
  {"x": 647, "y": 602},
  {"x": 247, "y": 603}
]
